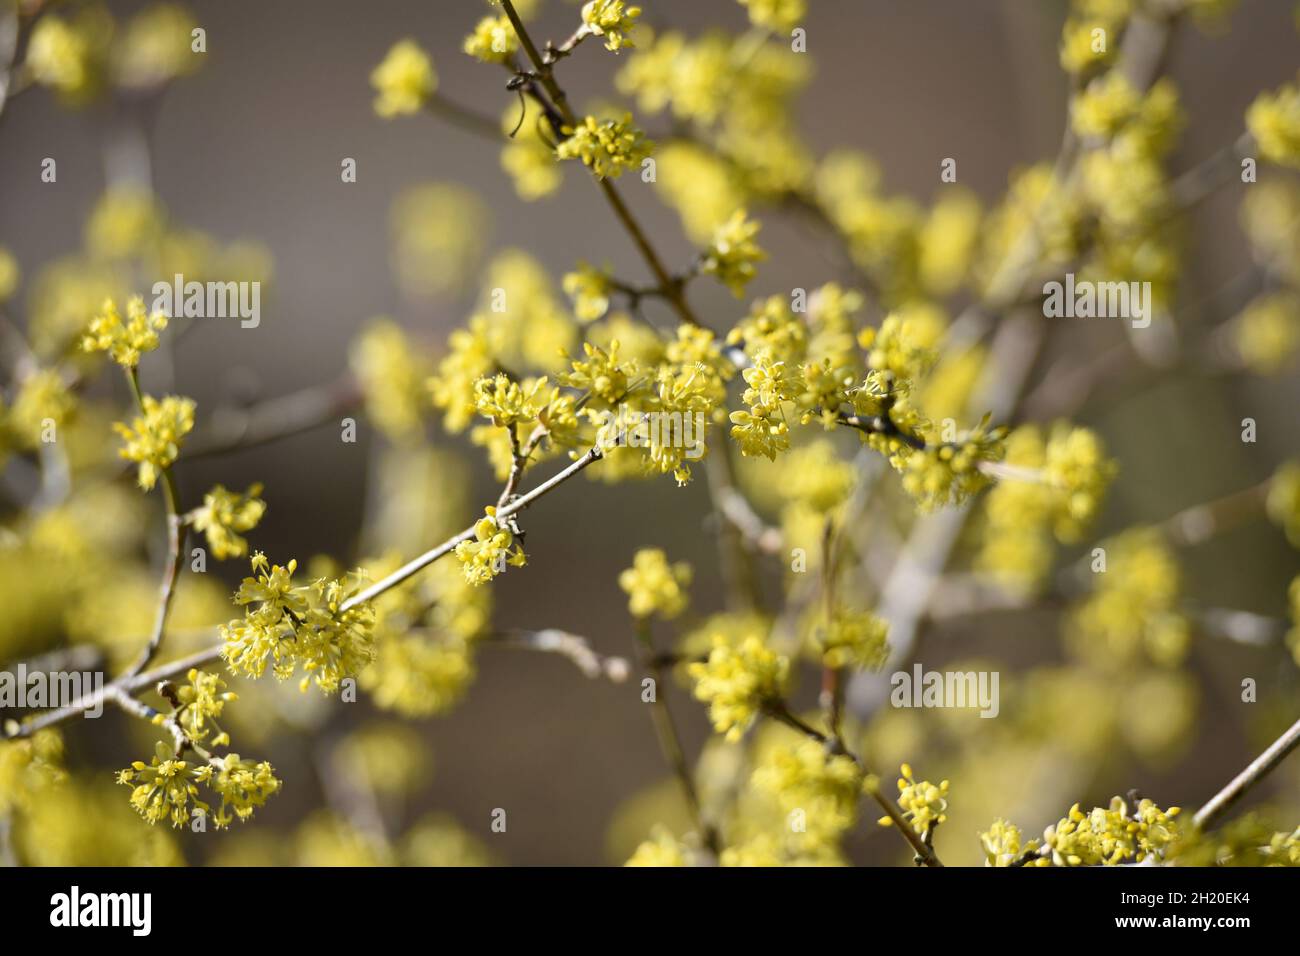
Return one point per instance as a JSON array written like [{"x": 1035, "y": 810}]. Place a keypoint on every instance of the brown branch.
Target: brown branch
[{"x": 1241, "y": 784}]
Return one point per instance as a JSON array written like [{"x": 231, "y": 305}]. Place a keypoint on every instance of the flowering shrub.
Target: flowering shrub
[{"x": 889, "y": 449}]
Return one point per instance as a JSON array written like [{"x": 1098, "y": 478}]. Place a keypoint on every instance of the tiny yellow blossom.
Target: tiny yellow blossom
[
  {"x": 405, "y": 80},
  {"x": 224, "y": 515},
  {"x": 737, "y": 682},
  {"x": 612, "y": 19},
  {"x": 9, "y": 275},
  {"x": 493, "y": 40},
  {"x": 924, "y": 804},
  {"x": 733, "y": 253},
  {"x": 124, "y": 341},
  {"x": 153, "y": 438},
  {"x": 654, "y": 586},
  {"x": 609, "y": 148},
  {"x": 1274, "y": 120},
  {"x": 489, "y": 552}
]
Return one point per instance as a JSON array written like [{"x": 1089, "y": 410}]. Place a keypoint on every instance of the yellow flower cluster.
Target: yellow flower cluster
[
  {"x": 737, "y": 682},
  {"x": 493, "y": 40},
  {"x": 924, "y": 804},
  {"x": 9, "y": 275},
  {"x": 404, "y": 80},
  {"x": 292, "y": 626},
  {"x": 487, "y": 555},
  {"x": 609, "y": 148},
  {"x": 854, "y": 639},
  {"x": 1059, "y": 496},
  {"x": 153, "y": 438},
  {"x": 1283, "y": 501},
  {"x": 69, "y": 55},
  {"x": 28, "y": 767},
  {"x": 1108, "y": 836},
  {"x": 654, "y": 586},
  {"x": 777, "y": 15},
  {"x": 124, "y": 341},
  {"x": 1267, "y": 332},
  {"x": 823, "y": 789},
  {"x": 590, "y": 289},
  {"x": 612, "y": 19},
  {"x": 1134, "y": 606},
  {"x": 1274, "y": 120},
  {"x": 224, "y": 516},
  {"x": 949, "y": 473},
  {"x": 507, "y": 403},
  {"x": 201, "y": 702},
  {"x": 1003, "y": 846},
  {"x": 733, "y": 253},
  {"x": 424, "y": 634},
  {"x": 528, "y": 157},
  {"x": 164, "y": 788},
  {"x": 43, "y": 398},
  {"x": 393, "y": 376},
  {"x": 1247, "y": 841}
]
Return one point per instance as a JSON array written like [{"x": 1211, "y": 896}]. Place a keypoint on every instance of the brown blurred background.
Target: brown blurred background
[{"x": 251, "y": 147}]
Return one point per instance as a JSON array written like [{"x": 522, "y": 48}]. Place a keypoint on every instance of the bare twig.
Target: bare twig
[{"x": 1241, "y": 784}]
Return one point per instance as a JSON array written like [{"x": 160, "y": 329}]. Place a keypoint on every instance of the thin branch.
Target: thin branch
[
  {"x": 544, "y": 75},
  {"x": 576, "y": 649},
  {"x": 175, "y": 555},
  {"x": 670, "y": 743},
  {"x": 1241, "y": 784},
  {"x": 239, "y": 429},
  {"x": 594, "y": 454},
  {"x": 778, "y": 711}
]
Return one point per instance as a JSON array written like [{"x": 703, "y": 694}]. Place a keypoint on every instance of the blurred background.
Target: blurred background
[{"x": 249, "y": 149}]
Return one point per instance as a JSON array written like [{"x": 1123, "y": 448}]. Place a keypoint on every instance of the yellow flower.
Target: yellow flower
[
  {"x": 292, "y": 626},
  {"x": 654, "y": 586},
  {"x": 590, "y": 289},
  {"x": 733, "y": 253},
  {"x": 662, "y": 849},
  {"x": 9, "y": 275},
  {"x": 854, "y": 639},
  {"x": 154, "y": 437},
  {"x": 68, "y": 55},
  {"x": 489, "y": 552},
  {"x": 163, "y": 788},
  {"x": 243, "y": 786},
  {"x": 924, "y": 804},
  {"x": 392, "y": 374},
  {"x": 1274, "y": 120},
  {"x": 1283, "y": 503},
  {"x": 493, "y": 40},
  {"x": 156, "y": 47},
  {"x": 737, "y": 682},
  {"x": 777, "y": 15},
  {"x": 1111, "y": 836},
  {"x": 508, "y": 403},
  {"x": 223, "y": 515},
  {"x": 609, "y": 148},
  {"x": 1267, "y": 332},
  {"x": 124, "y": 341},
  {"x": 611, "y": 19},
  {"x": 405, "y": 80},
  {"x": 1002, "y": 845}
]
